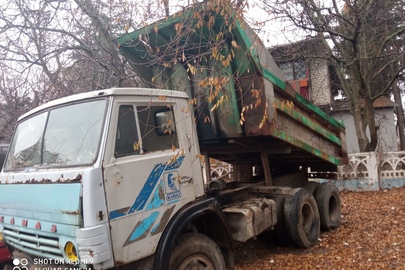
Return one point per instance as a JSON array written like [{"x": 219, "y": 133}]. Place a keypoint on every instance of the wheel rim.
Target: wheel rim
[
  {"x": 307, "y": 218},
  {"x": 197, "y": 262}
]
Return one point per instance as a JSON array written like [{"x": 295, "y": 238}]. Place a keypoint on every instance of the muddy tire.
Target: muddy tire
[
  {"x": 196, "y": 251},
  {"x": 327, "y": 197},
  {"x": 218, "y": 184},
  {"x": 311, "y": 186},
  {"x": 279, "y": 234},
  {"x": 301, "y": 218}
]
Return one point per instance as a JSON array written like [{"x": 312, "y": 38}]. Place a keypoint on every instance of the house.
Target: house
[
  {"x": 385, "y": 120},
  {"x": 316, "y": 80},
  {"x": 308, "y": 75}
]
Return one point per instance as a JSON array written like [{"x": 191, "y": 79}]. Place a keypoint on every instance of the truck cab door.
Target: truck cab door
[{"x": 151, "y": 170}]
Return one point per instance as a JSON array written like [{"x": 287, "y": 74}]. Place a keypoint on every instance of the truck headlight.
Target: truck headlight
[{"x": 71, "y": 253}]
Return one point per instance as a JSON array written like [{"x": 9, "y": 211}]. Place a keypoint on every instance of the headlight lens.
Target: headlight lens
[
  {"x": 71, "y": 252},
  {"x": 1, "y": 236}
]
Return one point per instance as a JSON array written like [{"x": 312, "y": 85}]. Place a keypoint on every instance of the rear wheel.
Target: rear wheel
[
  {"x": 327, "y": 197},
  {"x": 311, "y": 186},
  {"x": 196, "y": 251},
  {"x": 280, "y": 234},
  {"x": 301, "y": 217}
]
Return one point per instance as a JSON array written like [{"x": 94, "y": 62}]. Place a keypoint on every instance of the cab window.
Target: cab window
[{"x": 143, "y": 129}]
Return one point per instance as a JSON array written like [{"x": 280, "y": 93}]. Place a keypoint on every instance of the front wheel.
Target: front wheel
[{"x": 196, "y": 251}]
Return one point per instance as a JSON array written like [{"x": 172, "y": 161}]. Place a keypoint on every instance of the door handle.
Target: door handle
[{"x": 185, "y": 179}]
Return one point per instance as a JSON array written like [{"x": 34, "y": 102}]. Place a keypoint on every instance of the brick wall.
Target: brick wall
[{"x": 319, "y": 82}]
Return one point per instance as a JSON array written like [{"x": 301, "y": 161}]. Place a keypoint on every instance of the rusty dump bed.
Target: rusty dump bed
[{"x": 243, "y": 106}]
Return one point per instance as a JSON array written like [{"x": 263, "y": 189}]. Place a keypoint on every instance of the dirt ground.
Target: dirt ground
[{"x": 372, "y": 236}]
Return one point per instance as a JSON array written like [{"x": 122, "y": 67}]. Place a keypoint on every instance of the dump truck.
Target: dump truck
[{"x": 119, "y": 178}]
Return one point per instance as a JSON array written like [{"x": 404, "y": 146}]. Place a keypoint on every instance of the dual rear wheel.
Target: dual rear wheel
[
  {"x": 302, "y": 215},
  {"x": 328, "y": 200}
]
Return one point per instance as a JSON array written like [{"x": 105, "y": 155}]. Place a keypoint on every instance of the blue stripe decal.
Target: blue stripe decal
[
  {"x": 116, "y": 214},
  {"x": 163, "y": 221},
  {"x": 143, "y": 227},
  {"x": 148, "y": 188},
  {"x": 175, "y": 163},
  {"x": 158, "y": 198}
]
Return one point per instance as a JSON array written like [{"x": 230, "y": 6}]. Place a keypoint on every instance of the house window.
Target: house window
[
  {"x": 143, "y": 129},
  {"x": 296, "y": 74},
  {"x": 300, "y": 70},
  {"x": 294, "y": 70}
]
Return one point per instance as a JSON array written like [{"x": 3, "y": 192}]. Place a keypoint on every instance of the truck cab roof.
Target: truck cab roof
[{"x": 107, "y": 92}]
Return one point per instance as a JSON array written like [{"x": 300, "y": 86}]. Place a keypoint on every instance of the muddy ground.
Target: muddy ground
[{"x": 371, "y": 236}]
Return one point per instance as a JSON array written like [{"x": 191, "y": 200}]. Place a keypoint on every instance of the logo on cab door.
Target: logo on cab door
[{"x": 172, "y": 184}]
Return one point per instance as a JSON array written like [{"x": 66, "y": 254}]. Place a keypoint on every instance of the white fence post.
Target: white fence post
[
  {"x": 392, "y": 173},
  {"x": 361, "y": 174}
]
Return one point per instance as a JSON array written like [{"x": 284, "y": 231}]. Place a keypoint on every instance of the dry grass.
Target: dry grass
[{"x": 372, "y": 236}]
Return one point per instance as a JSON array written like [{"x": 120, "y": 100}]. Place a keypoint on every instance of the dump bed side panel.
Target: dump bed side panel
[{"x": 242, "y": 103}]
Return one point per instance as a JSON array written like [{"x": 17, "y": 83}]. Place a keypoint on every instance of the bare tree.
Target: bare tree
[
  {"x": 400, "y": 114},
  {"x": 50, "y": 49},
  {"x": 16, "y": 98},
  {"x": 358, "y": 38},
  {"x": 53, "y": 48}
]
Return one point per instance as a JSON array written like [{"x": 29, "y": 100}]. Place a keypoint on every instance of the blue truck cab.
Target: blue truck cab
[{"x": 89, "y": 179}]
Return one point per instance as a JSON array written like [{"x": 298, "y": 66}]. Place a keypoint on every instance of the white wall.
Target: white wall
[{"x": 386, "y": 132}]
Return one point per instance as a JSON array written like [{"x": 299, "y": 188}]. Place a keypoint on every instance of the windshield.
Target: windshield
[{"x": 62, "y": 136}]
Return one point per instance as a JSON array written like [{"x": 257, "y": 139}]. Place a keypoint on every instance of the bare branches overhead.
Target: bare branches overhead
[{"x": 363, "y": 40}]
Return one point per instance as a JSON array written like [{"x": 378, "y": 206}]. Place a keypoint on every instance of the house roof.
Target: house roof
[
  {"x": 384, "y": 102},
  {"x": 381, "y": 102},
  {"x": 308, "y": 48}
]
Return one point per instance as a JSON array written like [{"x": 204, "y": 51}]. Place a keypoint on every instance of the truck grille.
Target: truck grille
[{"x": 36, "y": 244}]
